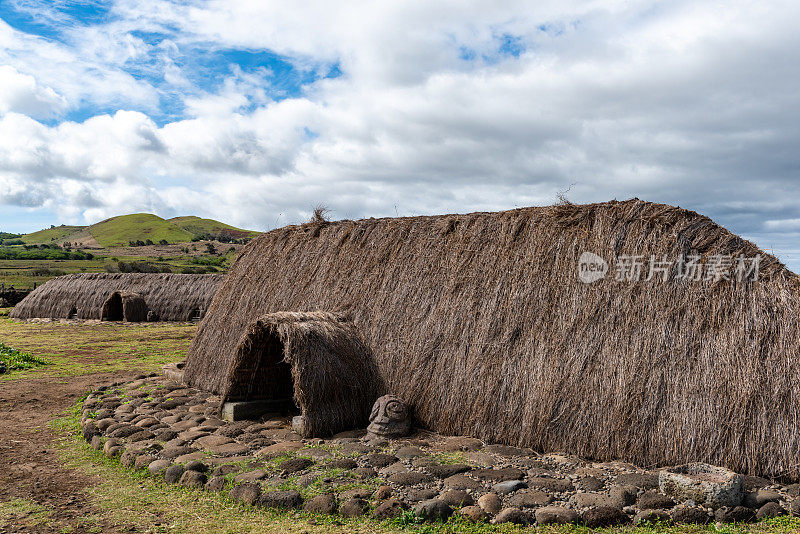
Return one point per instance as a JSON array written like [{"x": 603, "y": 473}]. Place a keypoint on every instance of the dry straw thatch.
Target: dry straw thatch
[
  {"x": 480, "y": 322},
  {"x": 171, "y": 297},
  {"x": 313, "y": 357}
]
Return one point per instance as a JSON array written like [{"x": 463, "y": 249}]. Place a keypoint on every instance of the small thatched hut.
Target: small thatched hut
[
  {"x": 314, "y": 358},
  {"x": 121, "y": 296},
  {"x": 482, "y": 323}
]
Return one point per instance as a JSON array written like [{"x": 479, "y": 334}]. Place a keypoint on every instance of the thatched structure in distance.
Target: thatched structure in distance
[
  {"x": 121, "y": 296},
  {"x": 314, "y": 358},
  {"x": 481, "y": 323}
]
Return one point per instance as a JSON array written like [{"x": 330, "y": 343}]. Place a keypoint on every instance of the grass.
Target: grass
[
  {"x": 79, "y": 349},
  {"x": 23, "y": 274},
  {"x": 137, "y": 226},
  {"x": 15, "y": 360},
  {"x": 50, "y": 235},
  {"x": 198, "y": 226},
  {"x": 23, "y": 513}
]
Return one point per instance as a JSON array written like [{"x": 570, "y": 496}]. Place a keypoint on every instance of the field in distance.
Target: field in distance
[{"x": 140, "y": 242}]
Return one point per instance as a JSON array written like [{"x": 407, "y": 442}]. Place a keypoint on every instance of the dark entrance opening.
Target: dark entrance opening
[
  {"x": 263, "y": 373},
  {"x": 112, "y": 308},
  {"x": 73, "y": 313},
  {"x": 196, "y": 315}
]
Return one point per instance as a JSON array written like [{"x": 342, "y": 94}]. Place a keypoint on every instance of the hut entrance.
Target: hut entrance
[
  {"x": 314, "y": 363},
  {"x": 112, "y": 308},
  {"x": 263, "y": 373},
  {"x": 73, "y": 313}
]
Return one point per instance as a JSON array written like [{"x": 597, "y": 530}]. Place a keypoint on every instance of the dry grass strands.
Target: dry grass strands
[
  {"x": 480, "y": 322},
  {"x": 170, "y": 297},
  {"x": 314, "y": 357}
]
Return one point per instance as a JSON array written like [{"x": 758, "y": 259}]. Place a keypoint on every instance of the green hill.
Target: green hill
[
  {"x": 121, "y": 230},
  {"x": 198, "y": 227},
  {"x": 54, "y": 234}
]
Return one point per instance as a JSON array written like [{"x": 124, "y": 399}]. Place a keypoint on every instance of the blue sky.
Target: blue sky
[{"x": 253, "y": 113}]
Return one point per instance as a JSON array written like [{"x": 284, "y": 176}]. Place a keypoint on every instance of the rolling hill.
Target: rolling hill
[
  {"x": 198, "y": 226},
  {"x": 50, "y": 235},
  {"x": 119, "y": 231}
]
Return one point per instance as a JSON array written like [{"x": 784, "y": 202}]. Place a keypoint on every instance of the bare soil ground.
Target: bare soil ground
[
  {"x": 37, "y": 492},
  {"x": 31, "y": 472}
]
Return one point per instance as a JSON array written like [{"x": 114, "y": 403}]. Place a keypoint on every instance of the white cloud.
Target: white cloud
[
  {"x": 684, "y": 102},
  {"x": 22, "y": 94}
]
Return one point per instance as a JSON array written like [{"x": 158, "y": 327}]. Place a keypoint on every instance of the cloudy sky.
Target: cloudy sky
[{"x": 254, "y": 111}]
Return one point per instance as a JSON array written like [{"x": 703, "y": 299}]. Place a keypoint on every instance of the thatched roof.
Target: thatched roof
[
  {"x": 172, "y": 297},
  {"x": 334, "y": 380},
  {"x": 480, "y": 322}
]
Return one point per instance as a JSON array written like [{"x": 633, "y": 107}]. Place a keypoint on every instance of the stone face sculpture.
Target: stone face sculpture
[{"x": 390, "y": 418}]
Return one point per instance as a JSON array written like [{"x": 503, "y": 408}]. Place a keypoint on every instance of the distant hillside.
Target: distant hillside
[
  {"x": 49, "y": 235},
  {"x": 197, "y": 226},
  {"x": 121, "y": 230},
  {"x": 118, "y": 231}
]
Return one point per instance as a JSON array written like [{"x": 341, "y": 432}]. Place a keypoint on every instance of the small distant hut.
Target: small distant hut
[
  {"x": 130, "y": 297},
  {"x": 483, "y": 324}
]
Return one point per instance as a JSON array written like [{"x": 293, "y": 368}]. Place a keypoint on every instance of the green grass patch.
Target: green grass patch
[
  {"x": 24, "y": 513},
  {"x": 137, "y": 226},
  {"x": 14, "y": 360},
  {"x": 80, "y": 348},
  {"x": 200, "y": 227},
  {"x": 49, "y": 235}
]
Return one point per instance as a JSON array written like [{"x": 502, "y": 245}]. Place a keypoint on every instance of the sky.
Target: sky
[{"x": 253, "y": 112}]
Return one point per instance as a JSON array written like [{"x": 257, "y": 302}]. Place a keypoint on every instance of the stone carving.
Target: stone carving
[{"x": 390, "y": 418}]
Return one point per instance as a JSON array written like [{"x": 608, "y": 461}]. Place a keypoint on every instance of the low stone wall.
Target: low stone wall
[{"x": 174, "y": 432}]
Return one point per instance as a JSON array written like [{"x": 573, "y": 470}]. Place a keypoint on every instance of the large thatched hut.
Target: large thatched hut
[
  {"x": 121, "y": 296},
  {"x": 486, "y": 324}
]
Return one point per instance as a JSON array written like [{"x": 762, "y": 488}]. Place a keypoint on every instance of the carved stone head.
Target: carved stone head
[{"x": 390, "y": 418}]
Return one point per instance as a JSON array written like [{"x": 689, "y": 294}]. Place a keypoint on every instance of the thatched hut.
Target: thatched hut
[
  {"x": 121, "y": 296},
  {"x": 314, "y": 359},
  {"x": 482, "y": 323}
]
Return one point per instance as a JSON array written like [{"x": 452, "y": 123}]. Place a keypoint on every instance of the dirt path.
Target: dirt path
[{"x": 30, "y": 467}]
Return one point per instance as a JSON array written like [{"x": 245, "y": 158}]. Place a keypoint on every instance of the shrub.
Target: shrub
[
  {"x": 13, "y": 360},
  {"x": 217, "y": 261},
  {"x": 45, "y": 252}
]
